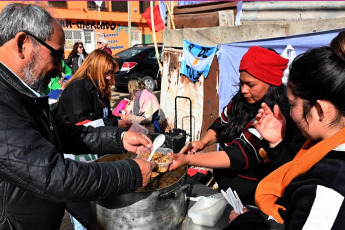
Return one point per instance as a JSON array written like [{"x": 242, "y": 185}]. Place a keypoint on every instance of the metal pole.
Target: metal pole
[{"x": 129, "y": 24}]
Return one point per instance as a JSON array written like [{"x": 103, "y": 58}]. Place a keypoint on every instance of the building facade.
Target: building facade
[{"x": 85, "y": 21}]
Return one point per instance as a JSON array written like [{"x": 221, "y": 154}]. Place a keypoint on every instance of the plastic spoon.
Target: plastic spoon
[{"x": 159, "y": 140}]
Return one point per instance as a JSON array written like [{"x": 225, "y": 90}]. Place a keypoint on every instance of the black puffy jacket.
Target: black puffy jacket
[
  {"x": 81, "y": 101},
  {"x": 35, "y": 179}
]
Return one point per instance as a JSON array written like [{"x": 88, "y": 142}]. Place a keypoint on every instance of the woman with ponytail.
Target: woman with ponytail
[{"x": 307, "y": 192}]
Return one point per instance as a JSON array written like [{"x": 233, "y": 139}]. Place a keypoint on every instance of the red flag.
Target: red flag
[{"x": 158, "y": 21}]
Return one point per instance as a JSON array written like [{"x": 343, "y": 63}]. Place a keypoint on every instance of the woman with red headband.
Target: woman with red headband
[{"x": 242, "y": 162}]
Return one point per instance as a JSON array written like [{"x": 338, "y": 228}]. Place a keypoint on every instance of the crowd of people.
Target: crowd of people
[{"x": 281, "y": 146}]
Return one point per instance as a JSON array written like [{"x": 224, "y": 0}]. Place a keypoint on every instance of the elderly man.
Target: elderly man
[
  {"x": 35, "y": 179},
  {"x": 102, "y": 44}
]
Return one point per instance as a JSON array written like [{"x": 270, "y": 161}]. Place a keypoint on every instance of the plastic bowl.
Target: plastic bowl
[{"x": 162, "y": 167}]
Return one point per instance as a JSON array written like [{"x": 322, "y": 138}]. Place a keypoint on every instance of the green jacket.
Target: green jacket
[{"x": 54, "y": 82}]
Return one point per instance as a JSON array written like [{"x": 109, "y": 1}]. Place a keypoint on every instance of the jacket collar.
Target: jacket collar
[
  {"x": 14, "y": 82},
  {"x": 12, "y": 79}
]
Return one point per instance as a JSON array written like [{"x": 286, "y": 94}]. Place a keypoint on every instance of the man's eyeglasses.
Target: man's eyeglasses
[{"x": 57, "y": 55}]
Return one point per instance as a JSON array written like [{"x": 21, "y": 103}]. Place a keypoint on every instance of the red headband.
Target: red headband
[{"x": 264, "y": 64}]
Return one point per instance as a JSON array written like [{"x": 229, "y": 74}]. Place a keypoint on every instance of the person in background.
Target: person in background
[
  {"x": 55, "y": 94},
  {"x": 87, "y": 95},
  {"x": 36, "y": 181},
  {"x": 102, "y": 44},
  {"x": 76, "y": 57},
  {"x": 55, "y": 83},
  {"x": 309, "y": 191},
  {"x": 142, "y": 107},
  {"x": 242, "y": 161}
]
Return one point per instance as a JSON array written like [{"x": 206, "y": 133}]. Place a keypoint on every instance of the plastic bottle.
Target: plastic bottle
[{"x": 121, "y": 106}]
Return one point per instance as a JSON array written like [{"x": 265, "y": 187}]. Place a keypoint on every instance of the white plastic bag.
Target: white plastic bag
[
  {"x": 288, "y": 53},
  {"x": 208, "y": 210}
]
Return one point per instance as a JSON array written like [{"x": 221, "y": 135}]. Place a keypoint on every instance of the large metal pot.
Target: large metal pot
[{"x": 164, "y": 208}]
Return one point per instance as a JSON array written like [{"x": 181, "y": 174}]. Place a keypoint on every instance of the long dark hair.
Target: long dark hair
[
  {"x": 239, "y": 115},
  {"x": 75, "y": 49},
  {"x": 319, "y": 74}
]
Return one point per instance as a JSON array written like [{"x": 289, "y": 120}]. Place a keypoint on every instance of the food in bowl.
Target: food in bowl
[
  {"x": 158, "y": 180},
  {"x": 161, "y": 181},
  {"x": 162, "y": 160}
]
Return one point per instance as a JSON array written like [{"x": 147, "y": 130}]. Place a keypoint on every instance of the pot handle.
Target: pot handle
[{"x": 173, "y": 193}]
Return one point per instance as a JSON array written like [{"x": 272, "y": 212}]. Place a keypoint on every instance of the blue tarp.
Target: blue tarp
[{"x": 229, "y": 57}]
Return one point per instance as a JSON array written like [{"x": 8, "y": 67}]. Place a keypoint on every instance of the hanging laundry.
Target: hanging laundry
[{"x": 197, "y": 60}]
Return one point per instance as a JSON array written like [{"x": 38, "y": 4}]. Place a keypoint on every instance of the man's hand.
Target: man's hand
[
  {"x": 146, "y": 168},
  {"x": 124, "y": 124},
  {"x": 234, "y": 214},
  {"x": 136, "y": 142},
  {"x": 270, "y": 125}
]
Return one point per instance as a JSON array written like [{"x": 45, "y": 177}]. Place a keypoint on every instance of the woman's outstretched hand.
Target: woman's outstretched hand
[
  {"x": 271, "y": 125},
  {"x": 178, "y": 159},
  {"x": 192, "y": 147}
]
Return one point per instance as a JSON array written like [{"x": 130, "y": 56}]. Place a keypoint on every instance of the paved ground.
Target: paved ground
[{"x": 66, "y": 223}]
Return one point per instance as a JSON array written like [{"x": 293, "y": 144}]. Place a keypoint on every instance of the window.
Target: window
[
  {"x": 88, "y": 36},
  {"x": 129, "y": 53},
  {"x": 58, "y": 4},
  {"x": 136, "y": 37},
  {"x": 119, "y": 6},
  {"x": 152, "y": 55},
  {"x": 72, "y": 36},
  {"x": 144, "y": 5},
  {"x": 91, "y": 5}
]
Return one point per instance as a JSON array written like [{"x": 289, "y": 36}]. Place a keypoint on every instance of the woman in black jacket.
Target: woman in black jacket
[
  {"x": 240, "y": 162},
  {"x": 76, "y": 57},
  {"x": 309, "y": 191},
  {"x": 87, "y": 94}
]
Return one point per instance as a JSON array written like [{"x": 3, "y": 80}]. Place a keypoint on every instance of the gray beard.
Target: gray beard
[{"x": 34, "y": 82}]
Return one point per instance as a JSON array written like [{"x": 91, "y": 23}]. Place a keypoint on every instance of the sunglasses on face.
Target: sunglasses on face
[
  {"x": 80, "y": 47},
  {"x": 56, "y": 54},
  {"x": 99, "y": 42}
]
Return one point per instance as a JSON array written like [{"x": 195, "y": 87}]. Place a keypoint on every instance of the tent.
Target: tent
[{"x": 229, "y": 57}]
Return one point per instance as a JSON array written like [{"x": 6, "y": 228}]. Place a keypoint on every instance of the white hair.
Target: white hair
[
  {"x": 17, "y": 17},
  {"x": 104, "y": 41}
]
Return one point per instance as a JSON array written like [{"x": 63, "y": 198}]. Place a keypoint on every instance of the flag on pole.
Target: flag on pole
[{"x": 157, "y": 18}]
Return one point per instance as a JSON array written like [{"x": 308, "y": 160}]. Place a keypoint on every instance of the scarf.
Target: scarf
[
  {"x": 272, "y": 187},
  {"x": 80, "y": 59}
]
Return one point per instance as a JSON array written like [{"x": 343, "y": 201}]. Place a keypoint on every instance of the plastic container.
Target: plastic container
[
  {"x": 208, "y": 210},
  {"x": 162, "y": 167},
  {"x": 121, "y": 106},
  {"x": 135, "y": 127}
]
